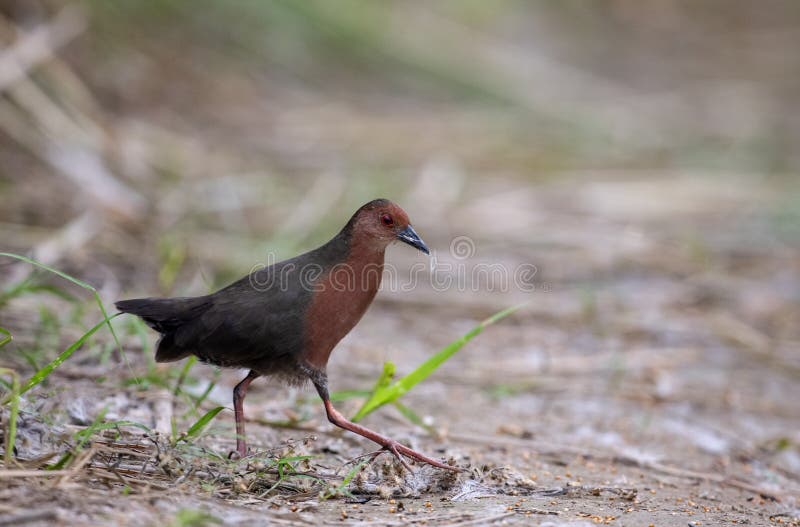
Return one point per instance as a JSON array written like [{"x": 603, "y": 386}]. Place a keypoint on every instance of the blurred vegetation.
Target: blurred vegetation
[
  {"x": 215, "y": 131},
  {"x": 695, "y": 70}
]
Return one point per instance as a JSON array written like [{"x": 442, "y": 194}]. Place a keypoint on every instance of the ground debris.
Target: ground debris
[{"x": 389, "y": 479}]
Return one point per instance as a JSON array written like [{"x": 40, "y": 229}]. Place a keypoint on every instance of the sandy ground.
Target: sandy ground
[{"x": 651, "y": 380}]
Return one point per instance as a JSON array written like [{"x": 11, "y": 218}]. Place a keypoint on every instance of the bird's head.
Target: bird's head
[{"x": 381, "y": 222}]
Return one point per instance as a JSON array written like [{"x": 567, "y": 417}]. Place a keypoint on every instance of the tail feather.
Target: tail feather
[{"x": 166, "y": 315}]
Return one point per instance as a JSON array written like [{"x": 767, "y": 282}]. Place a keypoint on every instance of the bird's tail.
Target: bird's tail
[{"x": 166, "y": 315}]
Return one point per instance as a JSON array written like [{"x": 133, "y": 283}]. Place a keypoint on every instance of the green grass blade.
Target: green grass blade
[
  {"x": 385, "y": 380},
  {"x": 412, "y": 416},
  {"x": 340, "y": 489},
  {"x": 46, "y": 370},
  {"x": 11, "y": 427},
  {"x": 173, "y": 256},
  {"x": 184, "y": 373},
  {"x": 345, "y": 395},
  {"x": 81, "y": 436},
  {"x": 294, "y": 459},
  {"x": 196, "y": 429},
  {"x": 193, "y": 518},
  {"x": 7, "y": 337},
  {"x": 386, "y": 377},
  {"x": 75, "y": 281},
  {"x": 26, "y": 286},
  {"x": 85, "y": 434},
  {"x": 203, "y": 396},
  {"x": 387, "y": 394},
  {"x": 137, "y": 327},
  {"x": 53, "y": 270}
]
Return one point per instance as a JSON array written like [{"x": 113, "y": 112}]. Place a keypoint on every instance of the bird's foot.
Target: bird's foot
[
  {"x": 398, "y": 451},
  {"x": 392, "y": 447},
  {"x": 239, "y": 453},
  {"x": 388, "y": 444}
]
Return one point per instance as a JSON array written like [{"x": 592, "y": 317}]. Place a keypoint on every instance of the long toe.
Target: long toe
[
  {"x": 424, "y": 459},
  {"x": 393, "y": 448}
]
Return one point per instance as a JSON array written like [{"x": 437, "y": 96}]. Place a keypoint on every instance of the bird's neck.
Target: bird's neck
[
  {"x": 365, "y": 257},
  {"x": 354, "y": 248},
  {"x": 359, "y": 259},
  {"x": 354, "y": 270}
]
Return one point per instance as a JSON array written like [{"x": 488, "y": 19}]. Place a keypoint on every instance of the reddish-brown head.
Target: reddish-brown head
[{"x": 381, "y": 222}]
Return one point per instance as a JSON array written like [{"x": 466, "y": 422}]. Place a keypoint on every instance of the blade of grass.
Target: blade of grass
[
  {"x": 7, "y": 338},
  {"x": 412, "y": 416},
  {"x": 340, "y": 489},
  {"x": 11, "y": 427},
  {"x": 203, "y": 396},
  {"x": 173, "y": 255},
  {"x": 85, "y": 434},
  {"x": 385, "y": 379},
  {"x": 184, "y": 372},
  {"x": 386, "y": 394},
  {"x": 196, "y": 429},
  {"x": 289, "y": 463},
  {"x": 193, "y": 518},
  {"x": 70, "y": 454},
  {"x": 82, "y": 436},
  {"x": 46, "y": 370},
  {"x": 26, "y": 286},
  {"x": 197, "y": 402},
  {"x": 136, "y": 326},
  {"x": 75, "y": 281},
  {"x": 345, "y": 395}
]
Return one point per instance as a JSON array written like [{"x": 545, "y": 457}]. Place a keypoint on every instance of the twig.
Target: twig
[
  {"x": 103, "y": 472},
  {"x": 84, "y": 458},
  {"x": 39, "y": 45},
  {"x": 70, "y": 141},
  {"x": 30, "y": 473}
]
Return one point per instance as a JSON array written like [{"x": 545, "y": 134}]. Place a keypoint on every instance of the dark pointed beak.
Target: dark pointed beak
[{"x": 410, "y": 236}]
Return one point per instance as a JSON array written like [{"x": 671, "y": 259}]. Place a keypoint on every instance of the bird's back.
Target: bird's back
[
  {"x": 283, "y": 319},
  {"x": 257, "y": 322}
]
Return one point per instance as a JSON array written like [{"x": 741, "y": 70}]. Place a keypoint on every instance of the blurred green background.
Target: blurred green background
[{"x": 144, "y": 138}]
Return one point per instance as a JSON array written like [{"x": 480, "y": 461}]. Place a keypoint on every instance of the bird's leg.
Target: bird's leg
[
  {"x": 387, "y": 443},
  {"x": 239, "y": 393}
]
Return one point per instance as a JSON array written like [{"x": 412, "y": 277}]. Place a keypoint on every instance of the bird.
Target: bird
[{"x": 284, "y": 320}]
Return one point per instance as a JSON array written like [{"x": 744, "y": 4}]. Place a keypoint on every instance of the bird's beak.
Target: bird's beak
[{"x": 410, "y": 236}]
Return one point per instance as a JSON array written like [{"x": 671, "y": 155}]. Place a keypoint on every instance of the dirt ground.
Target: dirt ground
[
  {"x": 656, "y": 392},
  {"x": 639, "y": 197}
]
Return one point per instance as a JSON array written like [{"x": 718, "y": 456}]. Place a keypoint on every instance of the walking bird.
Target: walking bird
[{"x": 285, "y": 319}]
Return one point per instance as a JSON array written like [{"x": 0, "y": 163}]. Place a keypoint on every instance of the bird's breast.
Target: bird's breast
[{"x": 340, "y": 298}]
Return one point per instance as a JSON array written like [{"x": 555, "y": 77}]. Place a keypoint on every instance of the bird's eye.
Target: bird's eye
[{"x": 387, "y": 220}]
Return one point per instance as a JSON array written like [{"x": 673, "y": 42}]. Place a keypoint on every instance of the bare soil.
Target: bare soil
[{"x": 655, "y": 392}]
